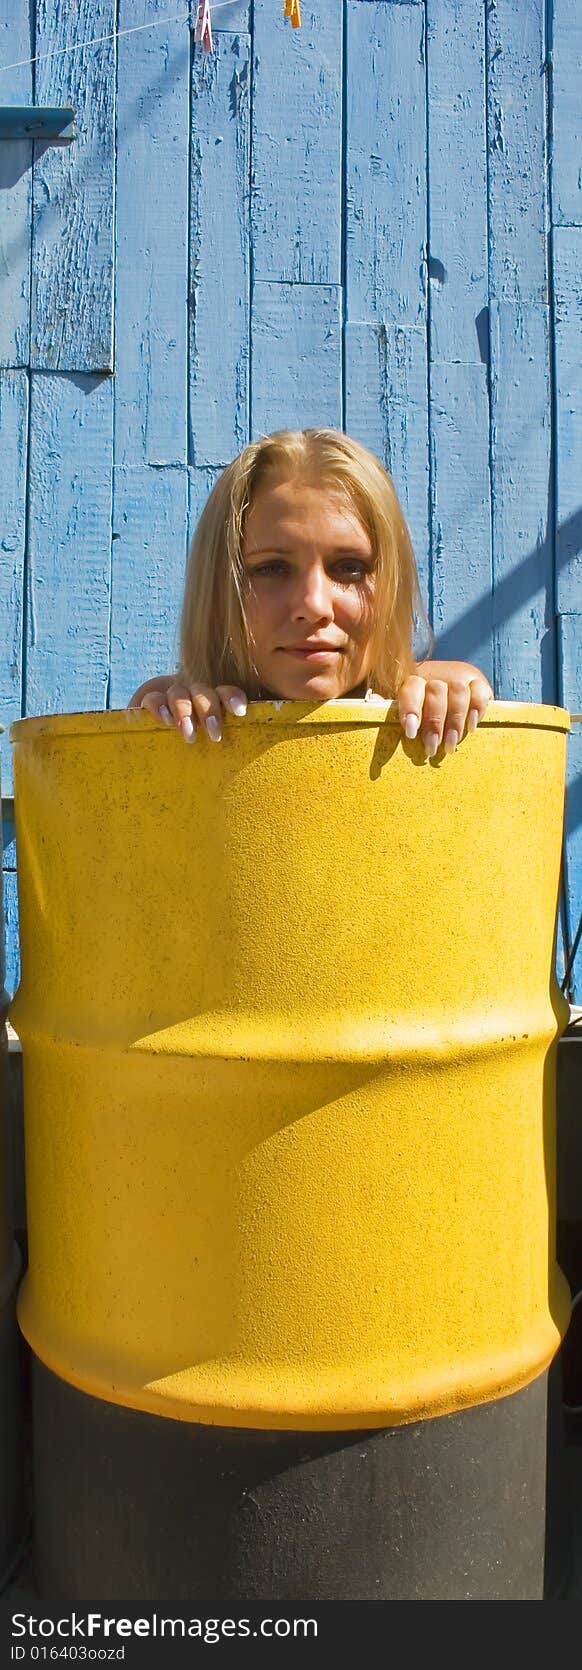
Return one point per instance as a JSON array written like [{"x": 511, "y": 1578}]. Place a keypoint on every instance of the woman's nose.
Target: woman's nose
[{"x": 313, "y": 598}]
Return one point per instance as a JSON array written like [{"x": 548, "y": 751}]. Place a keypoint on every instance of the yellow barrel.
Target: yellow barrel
[{"x": 289, "y": 1022}]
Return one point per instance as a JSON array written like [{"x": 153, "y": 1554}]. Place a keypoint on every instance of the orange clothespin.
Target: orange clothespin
[
  {"x": 203, "y": 30},
  {"x": 292, "y": 10}
]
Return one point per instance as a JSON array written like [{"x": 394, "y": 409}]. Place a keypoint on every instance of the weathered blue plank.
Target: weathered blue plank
[
  {"x": 296, "y": 139},
  {"x": 522, "y": 512},
  {"x": 72, "y": 259},
  {"x": 386, "y": 410},
  {"x": 150, "y": 444},
  {"x": 457, "y": 171},
  {"x": 567, "y": 247},
  {"x": 570, "y": 647},
  {"x": 152, "y": 245},
  {"x": 135, "y": 653},
  {"x": 149, "y": 535},
  {"x": 8, "y": 901},
  {"x": 385, "y": 164},
  {"x": 8, "y": 860},
  {"x": 561, "y": 937},
  {"x": 13, "y": 456},
  {"x": 200, "y": 484},
  {"x": 385, "y": 256},
  {"x": 520, "y": 368},
  {"x": 15, "y": 189},
  {"x": 517, "y": 151},
  {"x": 11, "y": 939},
  {"x": 461, "y": 517},
  {"x": 296, "y": 357},
  {"x": 219, "y": 251},
  {"x": 69, "y": 543},
  {"x": 229, "y": 17},
  {"x": 570, "y": 652},
  {"x": 573, "y": 851},
  {"x": 458, "y": 336},
  {"x": 567, "y": 112},
  {"x": 8, "y": 832},
  {"x": 567, "y": 252}
]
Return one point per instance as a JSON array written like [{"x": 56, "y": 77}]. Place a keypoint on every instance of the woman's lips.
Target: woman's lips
[{"x": 311, "y": 653}]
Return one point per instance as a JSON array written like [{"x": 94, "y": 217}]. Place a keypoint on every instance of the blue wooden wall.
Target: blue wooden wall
[{"x": 373, "y": 222}]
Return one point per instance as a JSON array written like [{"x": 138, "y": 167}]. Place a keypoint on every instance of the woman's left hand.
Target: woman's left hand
[{"x": 442, "y": 701}]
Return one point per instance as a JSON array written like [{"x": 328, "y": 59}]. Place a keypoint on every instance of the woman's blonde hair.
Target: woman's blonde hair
[{"x": 215, "y": 643}]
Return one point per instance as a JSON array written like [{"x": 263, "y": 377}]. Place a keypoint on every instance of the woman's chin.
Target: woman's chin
[
  {"x": 308, "y": 684},
  {"x": 314, "y": 689}
]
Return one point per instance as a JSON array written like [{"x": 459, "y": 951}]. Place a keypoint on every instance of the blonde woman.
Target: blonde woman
[{"x": 301, "y": 584}]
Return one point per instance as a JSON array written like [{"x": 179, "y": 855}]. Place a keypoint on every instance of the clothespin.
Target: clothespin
[
  {"x": 203, "y": 30},
  {"x": 292, "y": 10}
]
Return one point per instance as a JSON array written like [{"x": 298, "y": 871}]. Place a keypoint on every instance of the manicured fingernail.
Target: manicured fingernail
[
  {"x": 166, "y": 716},
  {"x": 188, "y": 731},
  {"x": 411, "y": 724},
  {"x": 451, "y": 740},
  {"x": 237, "y": 705},
  {"x": 213, "y": 727},
  {"x": 473, "y": 719},
  {"x": 431, "y": 743}
]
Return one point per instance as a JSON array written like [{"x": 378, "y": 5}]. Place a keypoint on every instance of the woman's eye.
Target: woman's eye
[
  {"x": 349, "y": 570},
  {"x": 267, "y": 568}
]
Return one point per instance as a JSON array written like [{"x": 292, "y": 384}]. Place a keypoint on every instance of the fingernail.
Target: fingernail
[
  {"x": 411, "y": 724},
  {"x": 473, "y": 719},
  {"x": 451, "y": 740},
  {"x": 188, "y": 731},
  {"x": 213, "y": 727},
  {"x": 431, "y": 743},
  {"x": 237, "y": 705},
  {"x": 166, "y": 716}
]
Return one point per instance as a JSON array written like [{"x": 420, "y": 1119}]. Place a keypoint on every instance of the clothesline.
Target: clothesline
[
  {"x": 291, "y": 10},
  {"x": 203, "y": 30}
]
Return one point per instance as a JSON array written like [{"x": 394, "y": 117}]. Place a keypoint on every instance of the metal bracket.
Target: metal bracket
[{"x": 31, "y": 121}]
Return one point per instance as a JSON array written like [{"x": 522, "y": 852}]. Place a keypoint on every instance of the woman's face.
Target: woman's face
[{"x": 310, "y": 585}]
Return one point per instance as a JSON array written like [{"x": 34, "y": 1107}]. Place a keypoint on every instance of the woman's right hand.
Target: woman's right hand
[{"x": 188, "y": 706}]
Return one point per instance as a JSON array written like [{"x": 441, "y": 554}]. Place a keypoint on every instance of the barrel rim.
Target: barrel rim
[{"x": 118, "y": 721}]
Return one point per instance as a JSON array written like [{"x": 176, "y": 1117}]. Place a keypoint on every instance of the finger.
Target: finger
[
  {"x": 410, "y": 704},
  {"x": 160, "y": 683},
  {"x": 179, "y": 704},
  {"x": 206, "y": 708},
  {"x": 480, "y": 696},
  {"x": 155, "y": 702},
  {"x": 459, "y": 696},
  {"x": 434, "y": 714},
  {"x": 232, "y": 698}
]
